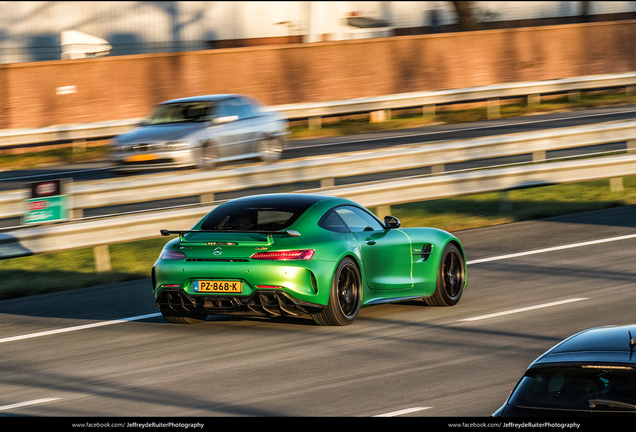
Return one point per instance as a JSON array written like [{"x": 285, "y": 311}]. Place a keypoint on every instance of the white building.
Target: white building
[{"x": 31, "y": 30}]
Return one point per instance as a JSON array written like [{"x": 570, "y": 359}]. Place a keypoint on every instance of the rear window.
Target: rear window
[
  {"x": 271, "y": 215},
  {"x": 576, "y": 388}
]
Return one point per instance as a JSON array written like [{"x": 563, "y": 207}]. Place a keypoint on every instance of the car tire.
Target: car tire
[
  {"x": 451, "y": 276},
  {"x": 344, "y": 298},
  {"x": 206, "y": 156},
  {"x": 270, "y": 149},
  {"x": 175, "y": 318}
]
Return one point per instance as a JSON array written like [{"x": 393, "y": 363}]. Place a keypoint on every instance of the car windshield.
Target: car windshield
[
  {"x": 180, "y": 112},
  {"x": 577, "y": 388},
  {"x": 271, "y": 215}
]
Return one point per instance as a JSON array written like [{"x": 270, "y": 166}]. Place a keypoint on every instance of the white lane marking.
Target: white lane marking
[
  {"x": 401, "y": 412},
  {"x": 524, "y": 309},
  {"x": 23, "y": 404},
  {"x": 551, "y": 249},
  {"x": 80, "y": 327}
]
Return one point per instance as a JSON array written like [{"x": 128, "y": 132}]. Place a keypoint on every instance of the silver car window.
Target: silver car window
[
  {"x": 358, "y": 220},
  {"x": 250, "y": 107},
  {"x": 242, "y": 110},
  {"x": 180, "y": 112},
  {"x": 233, "y": 108},
  {"x": 223, "y": 109}
]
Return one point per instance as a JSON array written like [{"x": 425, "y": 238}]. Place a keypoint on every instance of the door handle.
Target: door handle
[{"x": 370, "y": 241}]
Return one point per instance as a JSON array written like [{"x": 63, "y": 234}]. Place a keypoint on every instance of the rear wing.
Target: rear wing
[{"x": 290, "y": 233}]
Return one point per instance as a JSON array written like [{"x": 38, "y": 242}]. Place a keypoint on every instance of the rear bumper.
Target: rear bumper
[{"x": 261, "y": 302}]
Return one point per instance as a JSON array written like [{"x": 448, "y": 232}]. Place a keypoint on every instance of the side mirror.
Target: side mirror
[
  {"x": 225, "y": 119},
  {"x": 391, "y": 222}
]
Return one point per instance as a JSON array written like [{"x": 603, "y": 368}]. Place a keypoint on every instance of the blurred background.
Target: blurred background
[
  {"x": 84, "y": 61},
  {"x": 38, "y": 30}
]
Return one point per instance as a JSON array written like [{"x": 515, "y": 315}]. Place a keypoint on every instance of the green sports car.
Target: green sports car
[{"x": 302, "y": 255}]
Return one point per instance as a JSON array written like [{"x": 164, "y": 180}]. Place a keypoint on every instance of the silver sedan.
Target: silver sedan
[{"x": 199, "y": 132}]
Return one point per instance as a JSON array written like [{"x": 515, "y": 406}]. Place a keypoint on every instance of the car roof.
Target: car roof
[
  {"x": 600, "y": 345},
  {"x": 203, "y": 98},
  {"x": 315, "y": 203},
  {"x": 296, "y": 197}
]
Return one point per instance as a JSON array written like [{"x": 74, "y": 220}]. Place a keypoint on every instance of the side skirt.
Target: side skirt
[{"x": 378, "y": 301}]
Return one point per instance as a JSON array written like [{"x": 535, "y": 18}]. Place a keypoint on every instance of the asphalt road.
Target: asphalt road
[
  {"x": 17, "y": 179},
  {"x": 103, "y": 351}
]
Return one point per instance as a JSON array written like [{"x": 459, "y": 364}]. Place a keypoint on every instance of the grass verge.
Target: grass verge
[
  {"x": 75, "y": 269},
  {"x": 52, "y": 157}
]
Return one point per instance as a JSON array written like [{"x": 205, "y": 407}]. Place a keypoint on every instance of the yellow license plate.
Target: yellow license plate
[
  {"x": 141, "y": 158},
  {"x": 218, "y": 286}
]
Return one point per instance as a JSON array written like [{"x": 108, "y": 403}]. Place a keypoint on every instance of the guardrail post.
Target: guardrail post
[
  {"x": 428, "y": 110},
  {"x": 325, "y": 183},
  {"x": 631, "y": 145},
  {"x": 437, "y": 169},
  {"x": 102, "y": 258},
  {"x": 379, "y": 116},
  {"x": 534, "y": 100},
  {"x": 493, "y": 108},
  {"x": 206, "y": 198},
  {"x": 315, "y": 122},
  {"x": 616, "y": 184},
  {"x": 538, "y": 156}
]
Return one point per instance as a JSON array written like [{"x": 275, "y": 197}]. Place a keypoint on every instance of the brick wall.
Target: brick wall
[{"x": 122, "y": 87}]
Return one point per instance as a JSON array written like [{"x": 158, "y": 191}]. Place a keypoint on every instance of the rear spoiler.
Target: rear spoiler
[{"x": 290, "y": 233}]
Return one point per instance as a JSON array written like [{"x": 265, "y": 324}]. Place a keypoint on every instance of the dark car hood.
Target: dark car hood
[
  {"x": 508, "y": 410},
  {"x": 165, "y": 132}
]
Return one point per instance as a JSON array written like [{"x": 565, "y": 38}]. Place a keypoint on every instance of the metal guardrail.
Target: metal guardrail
[
  {"x": 103, "y": 232},
  {"x": 490, "y": 93},
  {"x": 316, "y": 110},
  {"x": 17, "y": 137},
  {"x": 96, "y": 194}
]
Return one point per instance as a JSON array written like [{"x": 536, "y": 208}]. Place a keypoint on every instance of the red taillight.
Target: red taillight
[
  {"x": 168, "y": 254},
  {"x": 284, "y": 255}
]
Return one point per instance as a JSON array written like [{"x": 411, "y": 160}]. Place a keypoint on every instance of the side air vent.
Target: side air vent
[{"x": 425, "y": 252}]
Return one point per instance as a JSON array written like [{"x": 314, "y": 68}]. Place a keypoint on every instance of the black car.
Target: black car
[{"x": 592, "y": 373}]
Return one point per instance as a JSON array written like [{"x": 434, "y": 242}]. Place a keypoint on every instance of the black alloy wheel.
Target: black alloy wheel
[
  {"x": 345, "y": 296},
  {"x": 451, "y": 278}
]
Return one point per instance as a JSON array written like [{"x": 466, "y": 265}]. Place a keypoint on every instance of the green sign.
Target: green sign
[{"x": 45, "y": 209}]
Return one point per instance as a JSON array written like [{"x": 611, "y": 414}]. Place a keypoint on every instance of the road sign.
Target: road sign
[{"x": 47, "y": 203}]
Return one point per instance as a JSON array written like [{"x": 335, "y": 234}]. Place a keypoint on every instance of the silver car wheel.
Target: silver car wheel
[
  {"x": 270, "y": 149},
  {"x": 207, "y": 156}
]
